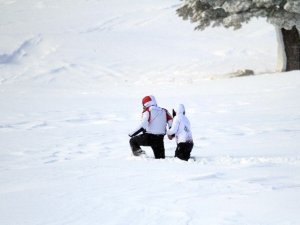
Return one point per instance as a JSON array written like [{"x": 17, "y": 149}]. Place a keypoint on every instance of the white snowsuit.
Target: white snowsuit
[
  {"x": 182, "y": 130},
  {"x": 181, "y": 126}
]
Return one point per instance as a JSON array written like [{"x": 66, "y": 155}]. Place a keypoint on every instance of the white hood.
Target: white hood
[
  {"x": 180, "y": 110},
  {"x": 153, "y": 100}
]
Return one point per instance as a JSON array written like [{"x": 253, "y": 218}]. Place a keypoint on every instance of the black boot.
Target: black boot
[{"x": 138, "y": 152}]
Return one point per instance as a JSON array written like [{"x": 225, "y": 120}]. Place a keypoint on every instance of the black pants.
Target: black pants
[
  {"x": 183, "y": 150},
  {"x": 156, "y": 142}
]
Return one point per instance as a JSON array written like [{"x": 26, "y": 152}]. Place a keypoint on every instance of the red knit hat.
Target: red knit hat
[{"x": 148, "y": 101}]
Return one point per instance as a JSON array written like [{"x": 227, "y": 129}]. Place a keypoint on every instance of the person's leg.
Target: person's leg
[
  {"x": 179, "y": 152},
  {"x": 157, "y": 145},
  {"x": 189, "y": 148},
  {"x": 186, "y": 150},
  {"x": 137, "y": 141},
  {"x": 183, "y": 150}
]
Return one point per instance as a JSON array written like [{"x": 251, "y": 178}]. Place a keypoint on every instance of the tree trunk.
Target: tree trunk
[{"x": 291, "y": 40}]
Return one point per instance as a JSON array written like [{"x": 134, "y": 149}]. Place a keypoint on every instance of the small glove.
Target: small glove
[
  {"x": 137, "y": 132},
  {"x": 173, "y": 113}
]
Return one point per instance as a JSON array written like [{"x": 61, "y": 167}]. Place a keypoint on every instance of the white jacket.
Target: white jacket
[
  {"x": 181, "y": 126},
  {"x": 154, "y": 119}
]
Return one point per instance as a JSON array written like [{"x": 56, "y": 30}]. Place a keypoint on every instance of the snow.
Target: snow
[{"x": 72, "y": 76}]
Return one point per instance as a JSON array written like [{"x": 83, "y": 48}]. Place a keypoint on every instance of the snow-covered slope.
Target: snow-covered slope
[
  {"x": 95, "y": 42},
  {"x": 72, "y": 76}
]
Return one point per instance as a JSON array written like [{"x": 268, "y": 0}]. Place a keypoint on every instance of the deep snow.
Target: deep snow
[{"x": 72, "y": 76}]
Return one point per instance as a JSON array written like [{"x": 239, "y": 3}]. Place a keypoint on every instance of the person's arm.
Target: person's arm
[
  {"x": 175, "y": 125},
  {"x": 142, "y": 126}
]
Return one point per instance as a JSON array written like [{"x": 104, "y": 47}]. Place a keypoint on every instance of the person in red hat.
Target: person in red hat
[{"x": 153, "y": 127}]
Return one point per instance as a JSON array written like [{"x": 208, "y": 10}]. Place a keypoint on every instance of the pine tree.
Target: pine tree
[{"x": 284, "y": 14}]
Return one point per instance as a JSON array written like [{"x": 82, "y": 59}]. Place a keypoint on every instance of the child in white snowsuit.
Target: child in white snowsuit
[
  {"x": 181, "y": 129},
  {"x": 153, "y": 125}
]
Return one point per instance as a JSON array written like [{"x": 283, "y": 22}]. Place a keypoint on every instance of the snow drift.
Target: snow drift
[{"x": 72, "y": 76}]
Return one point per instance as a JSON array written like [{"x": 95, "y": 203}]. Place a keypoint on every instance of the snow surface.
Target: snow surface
[{"x": 72, "y": 76}]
